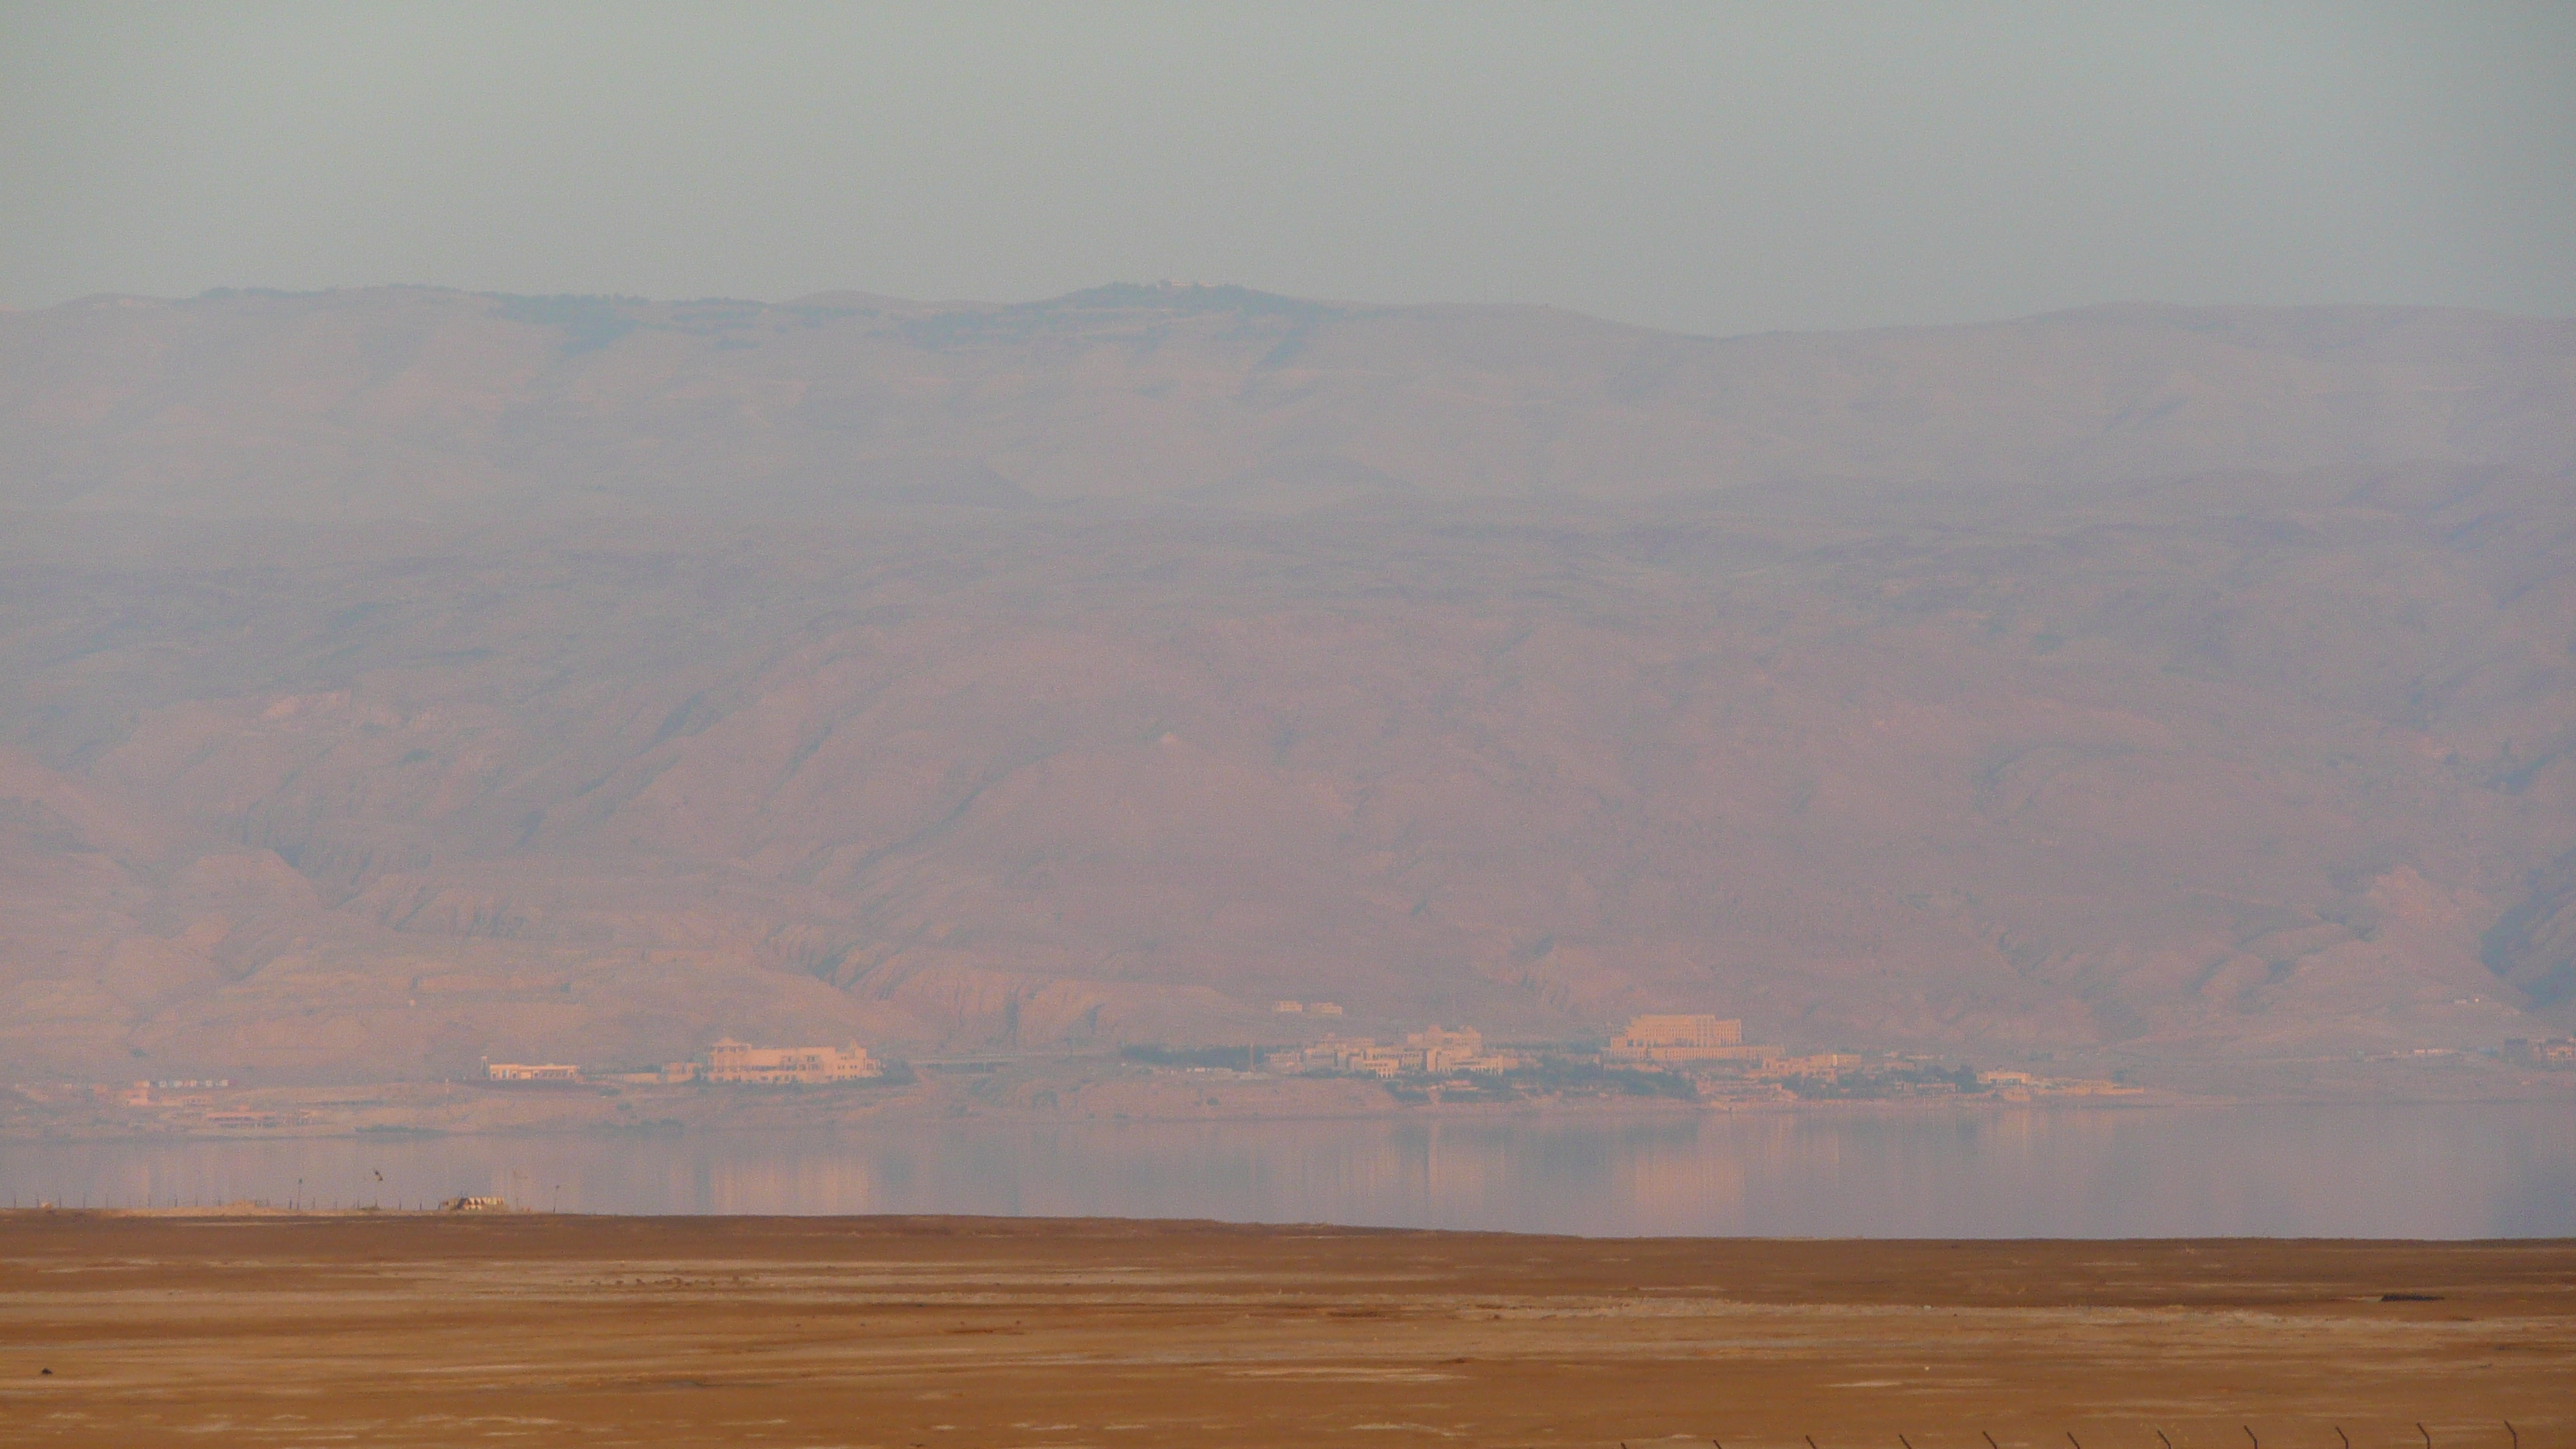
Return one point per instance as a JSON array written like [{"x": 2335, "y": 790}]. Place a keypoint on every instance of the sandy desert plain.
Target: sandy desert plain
[{"x": 252, "y": 1328}]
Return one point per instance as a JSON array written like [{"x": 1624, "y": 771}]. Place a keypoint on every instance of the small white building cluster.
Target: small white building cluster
[
  {"x": 728, "y": 1061},
  {"x": 1433, "y": 1050},
  {"x": 1684, "y": 1039},
  {"x": 531, "y": 1072},
  {"x": 1306, "y": 1008}
]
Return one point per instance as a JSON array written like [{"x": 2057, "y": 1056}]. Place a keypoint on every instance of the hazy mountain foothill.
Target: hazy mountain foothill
[{"x": 396, "y": 678}]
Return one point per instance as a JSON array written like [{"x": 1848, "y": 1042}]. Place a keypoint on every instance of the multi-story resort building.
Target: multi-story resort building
[
  {"x": 740, "y": 1062},
  {"x": 1684, "y": 1039}
]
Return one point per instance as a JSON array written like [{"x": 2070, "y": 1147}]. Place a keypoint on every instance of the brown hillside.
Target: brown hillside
[
  {"x": 399, "y": 677},
  {"x": 388, "y": 401}
]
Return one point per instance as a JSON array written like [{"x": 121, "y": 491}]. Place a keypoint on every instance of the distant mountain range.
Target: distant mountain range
[
  {"x": 402, "y": 676},
  {"x": 390, "y": 401}
]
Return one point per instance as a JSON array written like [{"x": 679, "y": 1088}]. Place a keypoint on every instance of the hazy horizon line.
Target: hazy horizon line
[{"x": 937, "y": 304}]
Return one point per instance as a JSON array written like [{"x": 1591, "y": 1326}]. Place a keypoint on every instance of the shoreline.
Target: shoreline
[
  {"x": 765, "y": 1111},
  {"x": 1041, "y": 1224}
]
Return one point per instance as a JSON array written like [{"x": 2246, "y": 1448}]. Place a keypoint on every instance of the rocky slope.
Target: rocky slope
[
  {"x": 394, "y": 401},
  {"x": 401, "y": 677}
]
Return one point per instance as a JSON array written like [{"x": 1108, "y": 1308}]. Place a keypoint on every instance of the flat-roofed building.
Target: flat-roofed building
[
  {"x": 530, "y": 1072},
  {"x": 1337, "y": 1054},
  {"x": 1674, "y": 1038},
  {"x": 1444, "y": 1050},
  {"x": 741, "y": 1062},
  {"x": 1816, "y": 1064},
  {"x": 1435, "y": 1050},
  {"x": 1685, "y": 1031},
  {"x": 1377, "y": 1061}
]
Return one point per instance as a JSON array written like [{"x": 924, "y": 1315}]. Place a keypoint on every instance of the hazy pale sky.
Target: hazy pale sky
[{"x": 1710, "y": 167}]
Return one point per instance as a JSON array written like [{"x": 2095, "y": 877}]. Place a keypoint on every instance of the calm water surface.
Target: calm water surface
[{"x": 2449, "y": 1171}]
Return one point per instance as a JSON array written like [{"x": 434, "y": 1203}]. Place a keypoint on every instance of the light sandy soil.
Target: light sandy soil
[{"x": 540, "y": 1329}]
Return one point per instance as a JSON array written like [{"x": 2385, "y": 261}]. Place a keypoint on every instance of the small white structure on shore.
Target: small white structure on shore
[{"x": 530, "y": 1072}]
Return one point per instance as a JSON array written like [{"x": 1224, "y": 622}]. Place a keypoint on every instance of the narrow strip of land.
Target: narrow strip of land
[{"x": 541, "y": 1329}]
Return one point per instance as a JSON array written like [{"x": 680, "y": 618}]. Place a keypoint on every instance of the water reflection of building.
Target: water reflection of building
[
  {"x": 2443, "y": 1170},
  {"x": 1682, "y": 1179},
  {"x": 800, "y": 1179}
]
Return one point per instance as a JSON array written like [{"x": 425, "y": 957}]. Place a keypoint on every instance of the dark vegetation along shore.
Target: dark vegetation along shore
[{"x": 394, "y": 1329}]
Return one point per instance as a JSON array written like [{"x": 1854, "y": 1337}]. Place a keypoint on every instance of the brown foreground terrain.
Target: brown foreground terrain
[{"x": 952, "y": 1331}]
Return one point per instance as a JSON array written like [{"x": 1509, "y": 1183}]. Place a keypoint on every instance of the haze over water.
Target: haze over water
[
  {"x": 2004, "y": 539},
  {"x": 2420, "y": 1171}
]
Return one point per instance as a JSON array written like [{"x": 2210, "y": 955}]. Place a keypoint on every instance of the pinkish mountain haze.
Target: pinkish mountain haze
[{"x": 399, "y": 677}]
